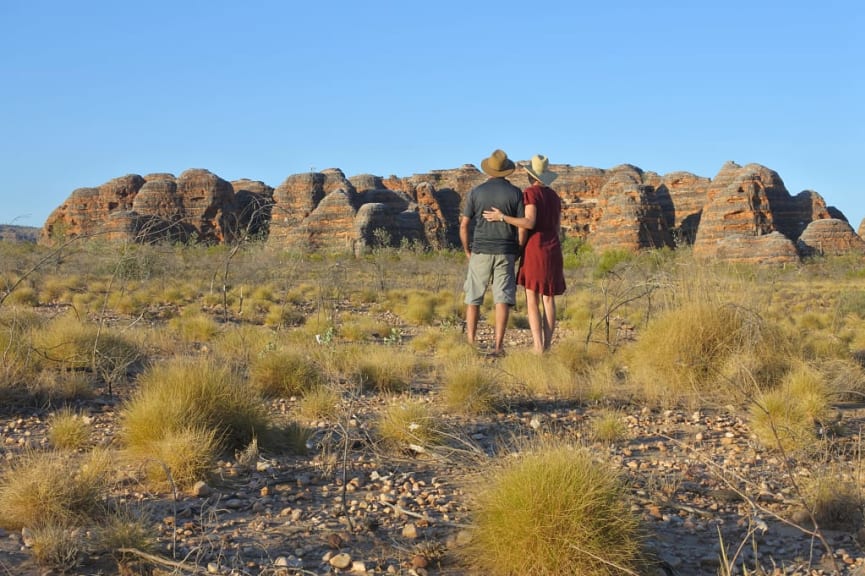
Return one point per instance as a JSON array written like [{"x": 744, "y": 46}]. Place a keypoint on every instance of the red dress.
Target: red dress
[{"x": 542, "y": 267}]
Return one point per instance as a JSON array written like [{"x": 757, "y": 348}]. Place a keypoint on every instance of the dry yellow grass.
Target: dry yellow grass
[
  {"x": 69, "y": 343},
  {"x": 470, "y": 389},
  {"x": 526, "y": 372},
  {"x": 190, "y": 393},
  {"x": 125, "y": 527},
  {"x": 57, "y": 547},
  {"x": 53, "y": 488},
  {"x": 609, "y": 426},
  {"x": 67, "y": 430},
  {"x": 410, "y": 423},
  {"x": 554, "y": 511},
  {"x": 319, "y": 403},
  {"x": 683, "y": 353},
  {"x": 784, "y": 418},
  {"x": 284, "y": 374},
  {"x": 378, "y": 368},
  {"x": 194, "y": 326},
  {"x": 834, "y": 499},
  {"x": 176, "y": 458}
]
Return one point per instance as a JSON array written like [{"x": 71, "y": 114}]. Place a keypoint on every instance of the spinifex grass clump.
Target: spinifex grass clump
[
  {"x": 411, "y": 423},
  {"x": 470, "y": 389},
  {"x": 284, "y": 373},
  {"x": 57, "y": 546},
  {"x": 125, "y": 528},
  {"x": 185, "y": 412},
  {"x": 608, "y": 426},
  {"x": 17, "y": 365},
  {"x": 382, "y": 369},
  {"x": 319, "y": 403},
  {"x": 834, "y": 499},
  {"x": 67, "y": 343},
  {"x": 363, "y": 328},
  {"x": 68, "y": 430},
  {"x": 537, "y": 375},
  {"x": 785, "y": 417},
  {"x": 53, "y": 488},
  {"x": 690, "y": 354},
  {"x": 552, "y": 512}
]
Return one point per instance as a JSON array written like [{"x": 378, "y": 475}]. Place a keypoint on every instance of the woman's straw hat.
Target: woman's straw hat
[{"x": 539, "y": 170}]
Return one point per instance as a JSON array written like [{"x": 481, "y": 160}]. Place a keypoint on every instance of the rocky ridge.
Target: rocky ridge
[
  {"x": 12, "y": 233},
  {"x": 743, "y": 213}
]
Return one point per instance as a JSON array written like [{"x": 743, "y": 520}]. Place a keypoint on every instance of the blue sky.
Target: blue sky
[{"x": 93, "y": 90}]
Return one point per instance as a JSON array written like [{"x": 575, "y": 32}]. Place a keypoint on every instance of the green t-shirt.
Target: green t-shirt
[{"x": 494, "y": 237}]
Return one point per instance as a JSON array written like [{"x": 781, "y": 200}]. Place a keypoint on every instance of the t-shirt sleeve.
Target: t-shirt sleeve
[
  {"x": 468, "y": 206},
  {"x": 530, "y": 196}
]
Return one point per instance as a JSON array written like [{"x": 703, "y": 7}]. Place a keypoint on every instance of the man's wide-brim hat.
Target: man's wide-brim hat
[
  {"x": 498, "y": 164},
  {"x": 539, "y": 169}
]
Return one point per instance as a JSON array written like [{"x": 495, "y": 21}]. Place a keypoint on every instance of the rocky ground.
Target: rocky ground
[{"x": 697, "y": 480}]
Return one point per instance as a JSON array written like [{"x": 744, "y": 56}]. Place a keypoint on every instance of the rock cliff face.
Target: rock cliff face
[
  {"x": 829, "y": 237},
  {"x": 744, "y": 213},
  {"x": 86, "y": 209}
]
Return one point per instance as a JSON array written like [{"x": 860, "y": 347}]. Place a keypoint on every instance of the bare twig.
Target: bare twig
[
  {"x": 603, "y": 561},
  {"x": 184, "y": 566},
  {"x": 400, "y": 510},
  {"x": 815, "y": 533}
]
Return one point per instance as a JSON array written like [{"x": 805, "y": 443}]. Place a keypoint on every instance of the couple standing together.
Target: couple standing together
[{"x": 510, "y": 224}]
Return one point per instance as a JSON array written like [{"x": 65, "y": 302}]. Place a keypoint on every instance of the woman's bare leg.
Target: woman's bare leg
[
  {"x": 534, "y": 312},
  {"x": 549, "y": 320}
]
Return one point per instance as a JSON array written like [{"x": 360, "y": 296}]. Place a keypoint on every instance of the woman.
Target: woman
[{"x": 541, "y": 272}]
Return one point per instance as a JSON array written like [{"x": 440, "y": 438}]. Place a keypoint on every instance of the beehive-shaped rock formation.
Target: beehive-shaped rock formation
[{"x": 744, "y": 213}]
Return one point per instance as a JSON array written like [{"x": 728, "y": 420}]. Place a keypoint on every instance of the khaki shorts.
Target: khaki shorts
[{"x": 497, "y": 269}]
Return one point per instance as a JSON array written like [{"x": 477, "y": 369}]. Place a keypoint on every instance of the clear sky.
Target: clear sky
[{"x": 92, "y": 90}]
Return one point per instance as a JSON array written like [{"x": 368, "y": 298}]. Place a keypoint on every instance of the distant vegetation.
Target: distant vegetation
[{"x": 10, "y": 233}]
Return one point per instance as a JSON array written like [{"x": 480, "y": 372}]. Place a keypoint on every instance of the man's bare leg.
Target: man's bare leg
[
  {"x": 472, "y": 313},
  {"x": 502, "y": 313}
]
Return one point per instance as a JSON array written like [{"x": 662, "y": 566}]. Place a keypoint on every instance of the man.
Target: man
[{"x": 493, "y": 248}]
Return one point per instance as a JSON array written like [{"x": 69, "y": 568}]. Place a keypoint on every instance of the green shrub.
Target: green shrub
[{"x": 610, "y": 259}]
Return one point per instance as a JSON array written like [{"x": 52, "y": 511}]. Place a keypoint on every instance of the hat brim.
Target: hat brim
[
  {"x": 545, "y": 177},
  {"x": 507, "y": 171}
]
